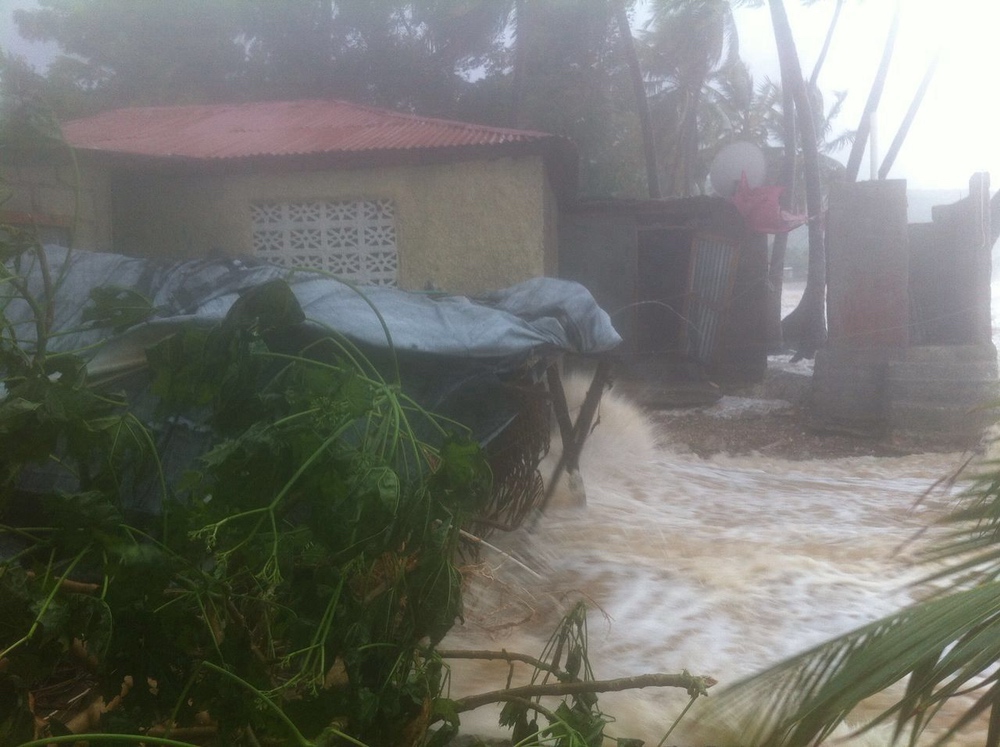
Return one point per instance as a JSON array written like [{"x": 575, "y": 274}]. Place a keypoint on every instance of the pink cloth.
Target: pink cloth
[{"x": 761, "y": 209}]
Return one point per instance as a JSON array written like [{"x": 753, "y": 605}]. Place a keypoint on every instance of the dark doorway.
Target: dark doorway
[{"x": 661, "y": 288}]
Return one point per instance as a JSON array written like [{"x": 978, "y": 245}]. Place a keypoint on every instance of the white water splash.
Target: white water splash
[{"x": 720, "y": 566}]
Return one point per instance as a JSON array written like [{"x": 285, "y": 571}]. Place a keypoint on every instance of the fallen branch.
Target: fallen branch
[
  {"x": 468, "y": 536},
  {"x": 504, "y": 655},
  {"x": 71, "y": 586},
  {"x": 550, "y": 715},
  {"x": 684, "y": 680}
]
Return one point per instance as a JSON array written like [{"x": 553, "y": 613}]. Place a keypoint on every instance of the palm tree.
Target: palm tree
[
  {"x": 947, "y": 645},
  {"x": 575, "y": 73},
  {"x": 776, "y": 268},
  {"x": 732, "y": 109},
  {"x": 808, "y": 319},
  {"x": 827, "y": 40},
  {"x": 527, "y": 29},
  {"x": 874, "y": 97},
  {"x": 627, "y": 42},
  {"x": 689, "y": 42}
]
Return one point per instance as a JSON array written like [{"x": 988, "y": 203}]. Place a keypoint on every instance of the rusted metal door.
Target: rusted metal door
[{"x": 712, "y": 273}]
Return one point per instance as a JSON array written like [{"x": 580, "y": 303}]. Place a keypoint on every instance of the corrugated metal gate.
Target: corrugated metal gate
[{"x": 712, "y": 273}]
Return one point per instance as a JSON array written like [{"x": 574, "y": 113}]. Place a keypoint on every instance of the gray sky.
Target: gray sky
[{"x": 956, "y": 132}]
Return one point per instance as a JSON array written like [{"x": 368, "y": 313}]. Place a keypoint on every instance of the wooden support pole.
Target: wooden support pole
[
  {"x": 560, "y": 407},
  {"x": 574, "y": 436}
]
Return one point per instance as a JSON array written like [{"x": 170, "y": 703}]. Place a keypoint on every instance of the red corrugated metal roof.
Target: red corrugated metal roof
[{"x": 276, "y": 128}]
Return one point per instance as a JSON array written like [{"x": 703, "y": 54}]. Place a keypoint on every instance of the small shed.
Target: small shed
[
  {"x": 374, "y": 196},
  {"x": 684, "y": 282}
]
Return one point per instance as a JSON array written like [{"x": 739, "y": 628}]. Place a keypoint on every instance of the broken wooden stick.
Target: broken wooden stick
[{"x": 688, "y": 682}]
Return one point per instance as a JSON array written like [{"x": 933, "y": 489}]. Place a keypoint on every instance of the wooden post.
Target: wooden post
[{"x": 574, "y": 435}]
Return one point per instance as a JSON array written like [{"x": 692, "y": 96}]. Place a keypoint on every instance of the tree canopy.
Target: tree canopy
[{"x": 560, "y": 66}]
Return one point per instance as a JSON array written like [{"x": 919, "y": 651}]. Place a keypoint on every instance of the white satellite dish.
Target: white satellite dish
[{"x": 731, "y": 163}]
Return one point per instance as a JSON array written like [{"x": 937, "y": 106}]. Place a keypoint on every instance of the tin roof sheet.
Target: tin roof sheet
[{"x": 276, "y": 128}]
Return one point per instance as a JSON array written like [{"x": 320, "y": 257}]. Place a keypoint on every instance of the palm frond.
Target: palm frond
[
  {"x": 944, "y": 646},
  {"x": 809, "y": 695}
]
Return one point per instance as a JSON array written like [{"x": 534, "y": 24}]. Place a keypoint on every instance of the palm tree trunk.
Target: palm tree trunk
[
  {"x": 911, "y": 113},
  {"x": 641, "y": 102},
  {"x": 874, "y": 96},
  {"x": 826, "y": 44},
  {"x": 684, "y": 151},
  {"x": 692, "y": 140},
  {"x": 776, "y": 269},
  {"x": 808, "y": 320}
]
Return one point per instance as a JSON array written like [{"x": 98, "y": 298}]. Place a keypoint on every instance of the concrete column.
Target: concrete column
[
  {"x": 867, "y": 305},
  {"x": 868, "y": 266}
]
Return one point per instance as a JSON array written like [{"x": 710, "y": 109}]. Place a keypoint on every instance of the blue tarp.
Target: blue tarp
[{"x": 541, "y": 316}]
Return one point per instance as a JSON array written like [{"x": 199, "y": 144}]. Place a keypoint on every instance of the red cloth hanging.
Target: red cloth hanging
[{"x": 761, "y": 209}]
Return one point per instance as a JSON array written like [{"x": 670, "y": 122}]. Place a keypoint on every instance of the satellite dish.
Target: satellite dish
[{"x": 731, "y": 163}]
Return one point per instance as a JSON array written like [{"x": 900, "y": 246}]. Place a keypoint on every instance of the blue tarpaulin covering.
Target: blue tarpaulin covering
[{"x": 504, "y": 328}]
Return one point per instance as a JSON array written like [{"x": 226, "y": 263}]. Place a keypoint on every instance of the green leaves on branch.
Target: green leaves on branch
[{"x": 304, "y": 557}]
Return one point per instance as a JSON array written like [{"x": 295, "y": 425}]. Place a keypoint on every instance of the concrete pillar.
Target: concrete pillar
[
  {"x": 868, "y": 266},
  {"x": 867, "y": 305}
]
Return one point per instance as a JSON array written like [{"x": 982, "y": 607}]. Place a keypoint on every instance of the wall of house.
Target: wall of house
[
  {"x": 599, "y": 251},
  {"x": 463, "y": 227},
  {"x": 42, "y": 190}
]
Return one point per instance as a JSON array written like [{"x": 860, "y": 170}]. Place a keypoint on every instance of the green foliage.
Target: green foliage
[
  {"x": 402, "y": 55},
  {"x": 300, "y": 573},
  {"x": 116, "y": 308},
  {"x": 576, "y": 722},
  {"x": 434, "y": 57}
]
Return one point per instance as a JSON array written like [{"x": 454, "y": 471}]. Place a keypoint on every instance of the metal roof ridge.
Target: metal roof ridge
[{"x": 210, "y": 109}]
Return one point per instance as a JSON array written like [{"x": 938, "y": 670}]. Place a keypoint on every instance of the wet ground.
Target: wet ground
[{"x": 769, "y": 418}]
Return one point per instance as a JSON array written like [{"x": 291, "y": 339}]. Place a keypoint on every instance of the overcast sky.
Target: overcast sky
[{"x": 956, "y": 131}]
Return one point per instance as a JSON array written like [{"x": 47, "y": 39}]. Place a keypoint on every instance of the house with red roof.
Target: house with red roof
[
  {"x": 371, "y": 195},
  {"x": 379, "y": 197}
]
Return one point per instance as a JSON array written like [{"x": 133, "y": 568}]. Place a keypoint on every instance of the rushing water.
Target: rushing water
[{"x": 719, "y": 566}]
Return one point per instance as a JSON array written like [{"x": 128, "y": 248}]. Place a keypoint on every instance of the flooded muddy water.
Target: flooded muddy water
[{"x": 719, "y": 566}]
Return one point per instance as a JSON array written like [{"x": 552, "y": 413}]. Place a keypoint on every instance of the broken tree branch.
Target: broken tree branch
[
  {"x": 503, "y": 655},
  {"x": 684, "y": 680}
]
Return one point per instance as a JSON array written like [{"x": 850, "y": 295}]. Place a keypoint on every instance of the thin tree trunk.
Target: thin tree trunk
[
  {"x": 809, "y": 317},
  {"x": 680, "y": 153},
  {"x": 641, "y": 102},
  {"x": 691, "y": 149},
  {"x": 826, "y": 44},
  {"x": 673, "y": 165},
  {"x": 684, "y": 150},
  {"x": 516, "y": 113},
  {"x": 874, "y": 97},
  {"x": 911, "y": 113},
  {"x": 994, "y": 219},
  {"x": 776, "y": 269}
]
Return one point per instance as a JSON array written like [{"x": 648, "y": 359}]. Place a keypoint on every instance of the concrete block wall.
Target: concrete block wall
[{"x": 909, "y": 308}]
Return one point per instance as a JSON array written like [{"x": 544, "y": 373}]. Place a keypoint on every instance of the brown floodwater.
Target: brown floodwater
[{"x": 718, "y": 566}]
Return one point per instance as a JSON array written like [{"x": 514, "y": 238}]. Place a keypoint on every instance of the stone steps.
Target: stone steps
[
  {"x": 935, "y": 390},
  {"x": 948, "y": 420},
  {"x": 947, "y": 390}
]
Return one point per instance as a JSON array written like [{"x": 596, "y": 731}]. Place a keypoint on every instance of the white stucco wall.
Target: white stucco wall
[{"x": 463, "y": 227}]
